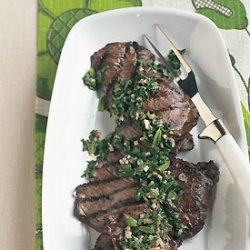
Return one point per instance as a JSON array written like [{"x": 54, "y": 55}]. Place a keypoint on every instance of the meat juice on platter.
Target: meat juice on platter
[{"x": 140, "y": 195}]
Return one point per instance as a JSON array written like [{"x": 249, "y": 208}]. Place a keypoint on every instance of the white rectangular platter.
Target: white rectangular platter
[{"x": 73, "y": 114}]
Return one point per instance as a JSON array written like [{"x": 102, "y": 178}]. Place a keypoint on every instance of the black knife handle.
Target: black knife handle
[{"x": 189, "y": 85}]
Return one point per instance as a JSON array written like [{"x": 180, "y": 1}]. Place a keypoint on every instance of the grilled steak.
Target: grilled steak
[
  {"x": 104, "y": 203},
  {"x": 107, "y": 200},
  {"x": 170, "y": 102},
  {"x": 106, "y": 196}
]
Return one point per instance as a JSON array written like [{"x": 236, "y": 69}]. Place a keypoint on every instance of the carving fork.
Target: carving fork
[{"x": 235, "y": 160}]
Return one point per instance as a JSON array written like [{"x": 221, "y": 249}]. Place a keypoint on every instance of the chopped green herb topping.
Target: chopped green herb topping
[
  {"x": 102, "y": 105},
  {"x": 92, "y": 79},
  {"x": 129, "y": 96},
  {"x": 148, "y": 165},
  {"x": 151, "y": 230},
  {"x": 92, "y": 143},
  {"x": 91, "y": 167},
  {"x": 173, "y": 60}
]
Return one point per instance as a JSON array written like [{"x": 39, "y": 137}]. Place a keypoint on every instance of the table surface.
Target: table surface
[{"x": 18, "y": 21}]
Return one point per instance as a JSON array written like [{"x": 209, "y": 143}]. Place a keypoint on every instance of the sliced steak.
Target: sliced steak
[
  {"x": 144, "y": 54},
  {"x": 127, "y": 69},
  {"x": 183, "y": 144},
  {"x": 105, "y": 197}
]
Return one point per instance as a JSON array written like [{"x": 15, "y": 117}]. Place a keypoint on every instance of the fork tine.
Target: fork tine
[
  {"x": 163, "y": 59},
  {"x": 176, "y": 51}
]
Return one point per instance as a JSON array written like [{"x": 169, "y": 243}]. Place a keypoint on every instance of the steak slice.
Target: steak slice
[
  {"x": 120, "y": 60},
  {"x": 106, "y": 195},
  {"x": 180, "y": 119},
  {"x": 109, "y": 57},
  {"x": 167, "y": 95},
  {"x": 169, "y": 101},
  {"x": 104, "y": 204}
]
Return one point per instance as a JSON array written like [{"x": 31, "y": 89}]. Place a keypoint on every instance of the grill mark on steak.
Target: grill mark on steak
[
  {"x": 101, "y": 187},
  {"x": 127, "y": 206},
  {"x": 101, "y": 223},
  {"x": 108, "y": 202},
  {"x": 98, "y": 220},
  {"x": 107, "y": 195},
  {"x": 130, "y": 58}
]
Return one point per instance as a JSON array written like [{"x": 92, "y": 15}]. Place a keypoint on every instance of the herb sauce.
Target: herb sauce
[{"x": 149, "y": 167}]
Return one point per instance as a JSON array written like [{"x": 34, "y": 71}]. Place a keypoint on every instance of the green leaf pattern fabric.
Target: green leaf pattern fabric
[{"x": 57, "y": 17}]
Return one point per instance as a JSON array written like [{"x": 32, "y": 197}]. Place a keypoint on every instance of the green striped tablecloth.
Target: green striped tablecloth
[{"x": 57, "y": 17}]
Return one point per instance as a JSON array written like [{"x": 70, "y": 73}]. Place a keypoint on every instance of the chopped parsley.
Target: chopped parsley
[
  {"x": 151, "y": 230},
  {"x": 102, "y": 105},
  {"x": 130, "y": 95},
  {"x": 92, "y": 79},
  {"x": 148, "y": 165},
  {"x": 91, "y": 145},
  {"x": 91, "y": 167}
]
